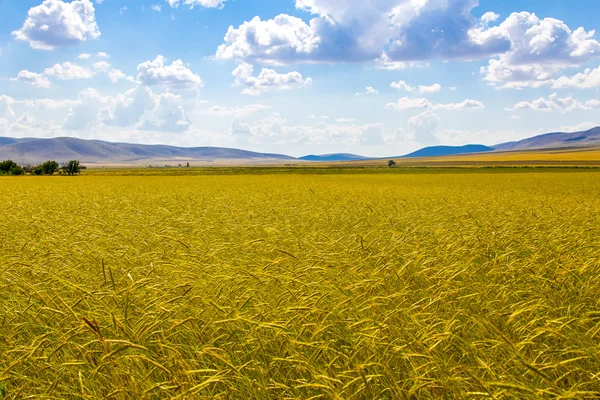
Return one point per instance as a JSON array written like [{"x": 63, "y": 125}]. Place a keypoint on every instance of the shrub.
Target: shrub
[
  {"x": 38, "y": 170},
  {"x": 391, "y": 163},
  {"x": 16, "y": 170},
  {"x": 50, "y": 167}
]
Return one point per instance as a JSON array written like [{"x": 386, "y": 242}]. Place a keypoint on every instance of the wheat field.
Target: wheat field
[{"x": 286, "y": 286}]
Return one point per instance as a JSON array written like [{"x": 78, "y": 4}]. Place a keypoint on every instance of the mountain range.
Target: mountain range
[{"x": 32, "y": 150}]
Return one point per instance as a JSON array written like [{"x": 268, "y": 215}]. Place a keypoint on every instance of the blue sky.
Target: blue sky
[{"x": 299, "y": 76}]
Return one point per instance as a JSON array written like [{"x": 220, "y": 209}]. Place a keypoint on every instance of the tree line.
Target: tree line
[{"x": 50, "y": 167}]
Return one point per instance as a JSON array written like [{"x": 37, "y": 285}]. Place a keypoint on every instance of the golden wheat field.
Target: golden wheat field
[{"x": 285, "y": 286}]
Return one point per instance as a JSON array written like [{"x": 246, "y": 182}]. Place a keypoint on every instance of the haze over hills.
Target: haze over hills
[
  {"x": 33, "y": 150},
  {"x": 557, "y": 139},
  {"x": 334, "y": 157},
  {"x": 100, "y": 152},
  {"x": 435, "y": 151}
]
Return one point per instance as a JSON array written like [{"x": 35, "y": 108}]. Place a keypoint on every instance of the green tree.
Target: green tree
[
  {"x": 50, "y": 167},
  {"x": 38, "y": 170},
  {"x": 16, "y": 170},
  {"x": 72, "y": 167},
  {"x": 6, "y": 166}
]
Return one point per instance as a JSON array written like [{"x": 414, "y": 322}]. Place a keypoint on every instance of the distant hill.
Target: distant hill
[
  {"x": 101, "y": 152},
  {"x": 333, "y": 157},
  {"x": 436, "y": 151},
  {"x": 556, "y": 139}
]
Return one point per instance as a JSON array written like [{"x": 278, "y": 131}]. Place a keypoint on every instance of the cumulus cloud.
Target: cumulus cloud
[
  {"x": 57, "y": 23},
  {"x": 588, "y": 79},
  {"x": 199, "y": 3},
  {"x": 435, "y": 88},
  {"x": 176, "y": 76},
  {"x": 69, "y": 71},
  {"x": 407, "y": 103},
  {"x": 84, "y": 56},
  {"x": 116, "y": 75},
  {"x": 267, "y": 80},
  {"x": 168, "y": 115},
  {"x": 102, "y": 66},
  {"x": 276, "y": 128},
  {"x": 401, "y": 85},
  {"x": 540, "y": 49},
  {"x": 424, "y": 126},
  {"x": 389, "y": 31},
  {"x": 275, "y": 40},
  {"x": 156, "y": 7},
  {"x": 384, "y": 62},
  {"x": 138, "y": 107},
  {"x": 87, "y": 109},
  {"x": 220, "y": 111},
  {"x": 582, "y": 126},
  {"x": 35, "y": 79},
  {"x": 369, "y": 90},
  {"x": 6, "y": 103},
  {"x": 558, "y": 104}
]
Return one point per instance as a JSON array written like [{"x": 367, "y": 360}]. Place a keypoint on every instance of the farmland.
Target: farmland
[{"x": 397, "y": 285}]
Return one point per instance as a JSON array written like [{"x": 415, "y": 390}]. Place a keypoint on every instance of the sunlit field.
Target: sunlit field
[{"x": 393, "y": 285}]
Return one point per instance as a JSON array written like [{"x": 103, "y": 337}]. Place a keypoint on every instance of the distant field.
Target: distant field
[
  {"x": 555, "y": 157},
  {"x": 389, "y": 284}
]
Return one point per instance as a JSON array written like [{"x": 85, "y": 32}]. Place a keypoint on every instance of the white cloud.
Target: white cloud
[
  {"x": 102, "y": 66},
  {"x": 588, "y": 79},
  {"x": 267, "y": 80},
  {"x": 177, "y": 75},
  {"x": 69, "y": 71},
  {"x": 540, "y": 49},
  {"x": 200, "y": 3},
  {"x": 384, "y": 62},
  {"x": 435, "y": 88},
  {"x": 56, "y": 23},
  {"x": 424, "y": 125},
  {"x": 489, "y": 17},
  {"x": 463, "y": 105},
  {"x": 557, "y": 104},
  {"x": 580, "y": 127},
  {"x": 276, "y": 128},
  {"x": 26, "y": 119},
  {"x": 284, "y": 37},
  {"x": 515, "y": 117},
  {"x": 103, "y": 55},
  {"x": 156, "y": 7},
  {"x": 138, "y": 107},
  {"x": 84, "y": 56},
  {"x": 401, "y": 85},
  {"x": 115, "y": 75},
  {"x": 168, "y": 115},
  {"x": 6, "y": 104},
  {"x": 87, "y": 110},
  {"x": 344, "y": 120},
  {"x": 219, "y": 111},
  {"x": 354, "y": 30},
  {"x": 407, "y": 103},
  {"x": 369, "y": 90},
  {"x": 35, "y": 79}
]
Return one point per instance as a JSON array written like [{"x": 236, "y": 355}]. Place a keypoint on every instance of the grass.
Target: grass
[
  {"x": 566, "y": 157},
  {"x": 277, "y": 286}
]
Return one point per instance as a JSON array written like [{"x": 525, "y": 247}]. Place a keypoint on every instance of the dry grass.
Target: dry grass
[
  {"x": 588, "y": 156},
  {"x": 301, "y": 286}
]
